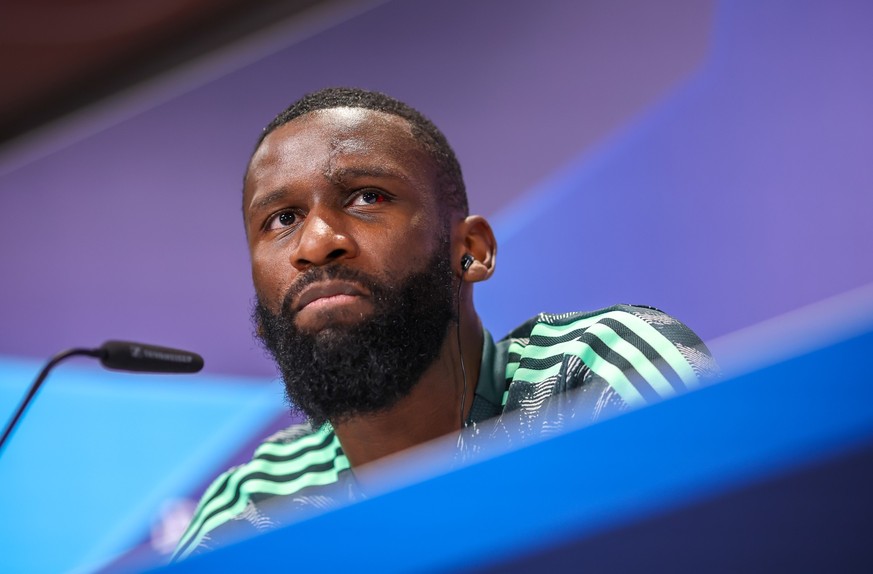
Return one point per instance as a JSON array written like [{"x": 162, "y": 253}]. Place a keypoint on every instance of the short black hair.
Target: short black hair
[{"x": 424, "y": 131}]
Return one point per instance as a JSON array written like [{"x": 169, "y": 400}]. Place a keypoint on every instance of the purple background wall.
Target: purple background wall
[{"x": 708, "y": 158}]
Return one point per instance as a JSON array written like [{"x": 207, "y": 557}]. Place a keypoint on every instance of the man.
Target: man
[{"x": 363, "y": 261}]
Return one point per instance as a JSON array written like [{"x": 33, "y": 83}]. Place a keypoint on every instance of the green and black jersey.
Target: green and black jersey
[{"x": 613, "y": 359}]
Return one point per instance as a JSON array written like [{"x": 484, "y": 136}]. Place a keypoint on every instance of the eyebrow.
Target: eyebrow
[
  {"x": 266, "y": 201},
  {"x": 338, "y": 175},
  {"x": 341, "y": 174}
]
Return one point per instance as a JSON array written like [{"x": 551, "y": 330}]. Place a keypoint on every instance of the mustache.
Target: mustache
[{"x": 335, "y": 272}]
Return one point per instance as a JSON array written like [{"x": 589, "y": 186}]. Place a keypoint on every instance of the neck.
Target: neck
[{"x": 431, "y": 410}]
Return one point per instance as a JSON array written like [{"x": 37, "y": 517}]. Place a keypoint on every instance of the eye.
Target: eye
[
  {"x": 372, "y": 197},
  {"x": 282, "y": 219},
  {"x": 369, "y": 197}
]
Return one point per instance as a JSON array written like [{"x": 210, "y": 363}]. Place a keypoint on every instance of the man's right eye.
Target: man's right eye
[{"x": 283, "y": 219}]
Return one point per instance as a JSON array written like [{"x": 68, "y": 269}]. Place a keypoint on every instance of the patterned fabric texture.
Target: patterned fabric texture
[{"x": 612, "y": 360}]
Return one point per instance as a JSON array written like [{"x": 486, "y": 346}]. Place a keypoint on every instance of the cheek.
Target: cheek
[
  {"x": 424, "y": 234},
  {"x": 270, "y": 279},
  {"x": 420, "y": 224},
  {"x": 398, "y": 248}
]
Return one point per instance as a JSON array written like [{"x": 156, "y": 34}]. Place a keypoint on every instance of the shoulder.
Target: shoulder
[
  {"x": 569, "y": 322},
  {"x": 638, "y": 352},
  {"x": 286, "y": 463}
]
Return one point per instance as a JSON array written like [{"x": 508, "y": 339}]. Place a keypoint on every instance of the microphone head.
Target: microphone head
[{"x": 130, "y": 356}]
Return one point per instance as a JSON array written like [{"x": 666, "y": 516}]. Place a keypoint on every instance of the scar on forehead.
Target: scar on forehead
[
  {"x": 379, "y": 151},
  {"x": 340, "y": 147}
]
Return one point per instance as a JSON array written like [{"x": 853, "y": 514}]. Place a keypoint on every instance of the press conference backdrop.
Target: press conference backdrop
[{"x": 708, "y": 158}]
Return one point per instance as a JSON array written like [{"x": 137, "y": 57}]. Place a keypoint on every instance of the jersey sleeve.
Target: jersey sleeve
[
  {"x": 289, "y": 462},
  {"x": 612, "y": 360}
]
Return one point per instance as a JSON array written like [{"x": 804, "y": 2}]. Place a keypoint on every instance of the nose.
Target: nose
[{"x": 322, "y": 239}]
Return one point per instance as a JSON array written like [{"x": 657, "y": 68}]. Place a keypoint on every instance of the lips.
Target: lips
[{"x": 326, "y": 290}]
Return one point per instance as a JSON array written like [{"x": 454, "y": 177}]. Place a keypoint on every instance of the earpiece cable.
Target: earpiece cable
[{"x": 461, "y": 352}]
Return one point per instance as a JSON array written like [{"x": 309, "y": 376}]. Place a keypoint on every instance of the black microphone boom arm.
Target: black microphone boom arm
[{"x": 119, "y": 355}]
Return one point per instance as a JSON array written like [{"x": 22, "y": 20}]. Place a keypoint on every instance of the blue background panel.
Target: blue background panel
[
  {"x": 78, "y": 493},
  {"x": 681, "y": 453}
]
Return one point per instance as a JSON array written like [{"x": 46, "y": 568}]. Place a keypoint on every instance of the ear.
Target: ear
[{"x": 473, "y": 235}]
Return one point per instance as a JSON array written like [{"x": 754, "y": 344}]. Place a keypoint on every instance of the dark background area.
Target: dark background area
[{"x": 59, "y": 55}]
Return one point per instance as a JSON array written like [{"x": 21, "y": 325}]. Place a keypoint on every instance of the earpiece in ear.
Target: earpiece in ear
[{"x": 466, "y": 261}]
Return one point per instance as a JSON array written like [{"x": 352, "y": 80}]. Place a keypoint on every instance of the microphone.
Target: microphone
[
  {"x": 140, "y": 358},
  {"x": 120, "y": 356}
]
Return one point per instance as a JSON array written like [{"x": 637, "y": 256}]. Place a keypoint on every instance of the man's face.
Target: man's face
[
  {"x": 350, "y": 260},
  {"x": 343, "y": 186}
]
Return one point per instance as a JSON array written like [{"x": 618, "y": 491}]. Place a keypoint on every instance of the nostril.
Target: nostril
[
  {"x": 301, "y": 264},
  {"x": 336, "y": 253}
]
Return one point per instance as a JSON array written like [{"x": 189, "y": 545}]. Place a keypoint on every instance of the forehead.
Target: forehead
[{"x": 324, "y": 141}]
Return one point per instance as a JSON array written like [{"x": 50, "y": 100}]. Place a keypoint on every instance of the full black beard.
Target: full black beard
[{"x": 349, "y": 370}]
